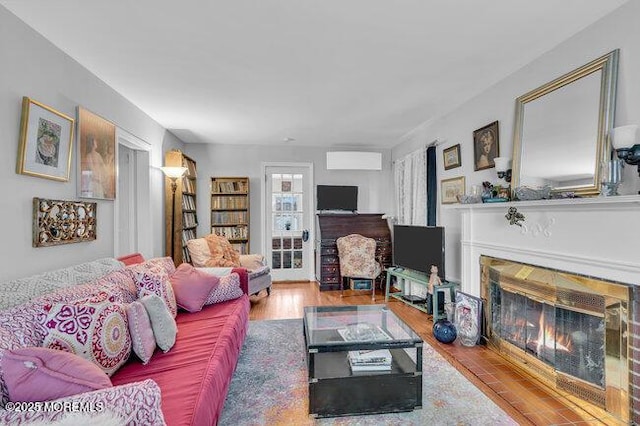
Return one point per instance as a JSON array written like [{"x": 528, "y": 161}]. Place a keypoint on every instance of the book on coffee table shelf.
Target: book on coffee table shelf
[
  {"x": 370, "y": 360},
  {"x": 362, "y": 332}
]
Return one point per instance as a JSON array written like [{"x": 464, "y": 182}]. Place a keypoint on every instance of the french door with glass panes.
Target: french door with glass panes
[{"x": 288, "y": 214}]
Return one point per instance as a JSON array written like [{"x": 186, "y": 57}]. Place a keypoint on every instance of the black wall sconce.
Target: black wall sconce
[
  {"x": 623, "y": 140},
  {"x": 503, "y": 168}
]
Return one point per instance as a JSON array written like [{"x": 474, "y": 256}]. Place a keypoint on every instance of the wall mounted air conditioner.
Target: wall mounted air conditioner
[{"x": 354, "y": 160}]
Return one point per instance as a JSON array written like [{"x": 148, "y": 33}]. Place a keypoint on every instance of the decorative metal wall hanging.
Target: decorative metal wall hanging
[
  {"x": 62, "y": 222},
  {"x": 514, "y": 216}
]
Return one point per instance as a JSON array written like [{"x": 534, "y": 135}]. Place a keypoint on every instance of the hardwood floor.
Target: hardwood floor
[{"x": 527, "y": 401}]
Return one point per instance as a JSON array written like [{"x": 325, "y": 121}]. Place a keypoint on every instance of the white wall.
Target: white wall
[
  {"x": 32, "y": 66},
  {"x": 374, "y": 187},
  {"x": 620, "y": 30}
]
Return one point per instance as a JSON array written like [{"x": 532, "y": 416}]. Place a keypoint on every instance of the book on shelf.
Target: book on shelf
[
  {"x": 370, "y": 367},
  {"x": 370, "y": 360},
  {"x": 363, "y": 332}
]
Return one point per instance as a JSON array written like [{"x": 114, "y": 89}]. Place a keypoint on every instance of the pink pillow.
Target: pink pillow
[
  {"x": 152, "y": 277},
  {"x": 98, "y": 332},
  {"x": 142, "y": 339},
  {"x": 192, "y": 287},
  {"x": 228, "y": 289},
  {"x": 41, "y": 374}
]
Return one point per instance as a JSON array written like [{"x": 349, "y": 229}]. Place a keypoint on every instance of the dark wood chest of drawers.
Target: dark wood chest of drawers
[{"x": 333, "y": 226}]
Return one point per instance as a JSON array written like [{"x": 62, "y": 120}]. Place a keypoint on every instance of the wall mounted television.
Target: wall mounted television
[
  {"x": 333, "y": 197},
  {"x": 419, "y": 247}
]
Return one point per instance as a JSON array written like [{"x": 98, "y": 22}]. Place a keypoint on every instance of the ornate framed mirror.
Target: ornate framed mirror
[{"x": 561, "y": 129}]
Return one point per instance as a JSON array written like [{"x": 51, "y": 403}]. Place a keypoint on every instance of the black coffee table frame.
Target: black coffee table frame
[{"x": 334, "y": 390}]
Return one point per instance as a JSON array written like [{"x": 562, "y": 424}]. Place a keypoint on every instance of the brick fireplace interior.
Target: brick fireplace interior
[{"x": 568, "y": 331}]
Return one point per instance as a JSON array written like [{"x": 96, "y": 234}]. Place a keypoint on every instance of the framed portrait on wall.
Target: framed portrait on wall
[
  {"x": 486, "y": 146},
  {"x": 451, "y": 189},
  {"x": 96, "y": 156},
  {"x": 452, "y": 157},
  {"x": 46, "y": 142}
]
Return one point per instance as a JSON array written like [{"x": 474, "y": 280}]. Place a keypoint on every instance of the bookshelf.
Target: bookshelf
[
  {"x": 186, "y": 219},
  {"x": 230, "y": 210}
]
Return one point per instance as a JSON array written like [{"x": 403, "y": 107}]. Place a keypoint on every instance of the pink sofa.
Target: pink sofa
[{"x": 185, "y": 386}]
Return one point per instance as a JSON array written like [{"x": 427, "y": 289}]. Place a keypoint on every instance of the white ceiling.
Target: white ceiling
[{"x": 324, "y": 72}]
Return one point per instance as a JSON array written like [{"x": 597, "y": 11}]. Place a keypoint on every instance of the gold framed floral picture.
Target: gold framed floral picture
[
  {"x": 451, "y": 189},
  {"x": 96, "y": 156},
  {"x": 452, "y": 157},
  {"x": 46, "y": 142}
]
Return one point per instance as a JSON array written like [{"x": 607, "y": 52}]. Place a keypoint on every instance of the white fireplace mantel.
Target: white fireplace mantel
[{"x": 597, "y": 236}]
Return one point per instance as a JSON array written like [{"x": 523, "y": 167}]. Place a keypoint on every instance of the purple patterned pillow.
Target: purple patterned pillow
[
  {"x": 227, "y": 289},
  {"x": 98, "y": 332},
  {"x": 152, "y": 278},
  {"x": 142, "y": 338}
]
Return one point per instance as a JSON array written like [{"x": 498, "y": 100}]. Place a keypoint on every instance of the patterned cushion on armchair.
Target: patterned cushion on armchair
[{"x": 358, "y": 256}]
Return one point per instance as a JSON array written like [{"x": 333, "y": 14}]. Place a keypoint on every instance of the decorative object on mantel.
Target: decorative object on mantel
[
  {"x": 494, "y": 193},
  {"x": 514, "y": 217},
  {"x": 46, "y": 142},
  {"x": 611, "y": 176},
  {"x": 58, "y": 222},
  {"x": 451, "y": 157},
  {"x": 469, "y": 199},
  {"x": 525, "y": 193},
  {"x": 486, "y": 146},
  {"x": 451, "y": 189},
  {"x": 624, "y": 142}
]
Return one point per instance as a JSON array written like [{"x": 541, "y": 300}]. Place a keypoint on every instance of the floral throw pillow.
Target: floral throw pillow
[
  {"x": 98, "y": 332},
  {"x": 152, "y": 278},
  {"x": 227, "y": 289}
]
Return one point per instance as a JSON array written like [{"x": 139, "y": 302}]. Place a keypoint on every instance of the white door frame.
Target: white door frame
[
  {"x": 142, "y": 197},
  {"x": 310, "y": 206}
]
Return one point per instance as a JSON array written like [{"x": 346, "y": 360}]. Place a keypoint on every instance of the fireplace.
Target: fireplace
[{"x": 568, "y": 331}]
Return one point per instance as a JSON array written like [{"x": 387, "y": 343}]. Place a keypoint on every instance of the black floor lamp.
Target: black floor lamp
[{"x": 173, "y": 173}]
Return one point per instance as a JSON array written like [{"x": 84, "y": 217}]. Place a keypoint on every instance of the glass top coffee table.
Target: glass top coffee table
[{"x": 361, "y": 360}]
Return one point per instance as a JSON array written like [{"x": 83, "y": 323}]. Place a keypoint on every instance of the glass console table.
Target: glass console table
[{"x": 333, "y": 334}]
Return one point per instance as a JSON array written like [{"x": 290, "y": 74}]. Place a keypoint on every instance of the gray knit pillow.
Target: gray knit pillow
[{"x": 162, "y": 322}]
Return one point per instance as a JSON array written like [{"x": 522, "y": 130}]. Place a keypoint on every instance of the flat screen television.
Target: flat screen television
[
  {"x": 419, "y": 247},
  {"x": 333, "y": 197}
]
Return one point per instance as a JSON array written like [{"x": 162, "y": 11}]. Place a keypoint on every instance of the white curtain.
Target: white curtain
[{"x": 410, "y": 176}]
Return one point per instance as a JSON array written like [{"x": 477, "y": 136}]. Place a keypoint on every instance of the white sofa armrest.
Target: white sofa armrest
[
  {"x": 252, "y": 261},
  {"x": 136, "y": 403}
]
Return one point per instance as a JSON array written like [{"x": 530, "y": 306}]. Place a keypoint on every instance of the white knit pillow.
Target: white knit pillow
[{"x": 162, "y": 322}]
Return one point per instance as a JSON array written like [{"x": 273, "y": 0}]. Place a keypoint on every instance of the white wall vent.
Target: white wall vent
[{"x": 354, "y": 160}]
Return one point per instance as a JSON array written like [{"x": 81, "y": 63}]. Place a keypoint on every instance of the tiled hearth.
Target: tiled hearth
[{"x": 522, "y": 397}]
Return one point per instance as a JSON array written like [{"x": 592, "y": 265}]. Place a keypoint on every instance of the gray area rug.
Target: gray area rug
[{"x": 269, "y": 387}]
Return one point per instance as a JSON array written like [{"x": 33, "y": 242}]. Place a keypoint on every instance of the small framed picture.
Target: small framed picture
[
  {"x": 486, "y": 146},
  {"x": 46, "y": 142},
  {"x": 451, "y": 189},
  {"x": 96, "y": 156},
  {"x": 468, "y": 318},
  {"x": 452, "y": 157},
  {"x": 286, "y": 186}
]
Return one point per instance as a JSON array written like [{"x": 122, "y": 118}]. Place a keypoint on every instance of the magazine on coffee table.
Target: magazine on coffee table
[
  {"x": 370, "y": 360},
  {"x": 363, "y": 332}
]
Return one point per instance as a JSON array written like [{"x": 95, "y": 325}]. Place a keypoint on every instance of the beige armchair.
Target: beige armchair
[
  {"x": 218, "y": 255},
  {"x": 357, "y": 255}
]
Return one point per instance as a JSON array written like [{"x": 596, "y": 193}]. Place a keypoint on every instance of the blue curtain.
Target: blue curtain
[{"x": 432, "y": 186}]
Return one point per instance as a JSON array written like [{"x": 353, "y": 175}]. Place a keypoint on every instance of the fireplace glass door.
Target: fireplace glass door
[{"x": 569, "y": 341}]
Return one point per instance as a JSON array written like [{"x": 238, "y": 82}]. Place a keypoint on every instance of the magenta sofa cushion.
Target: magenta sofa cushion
[
  {"x": 194, "y": 376},
  {"x": 42, "y": 374},
  {"x": 192, "y": 287}
]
